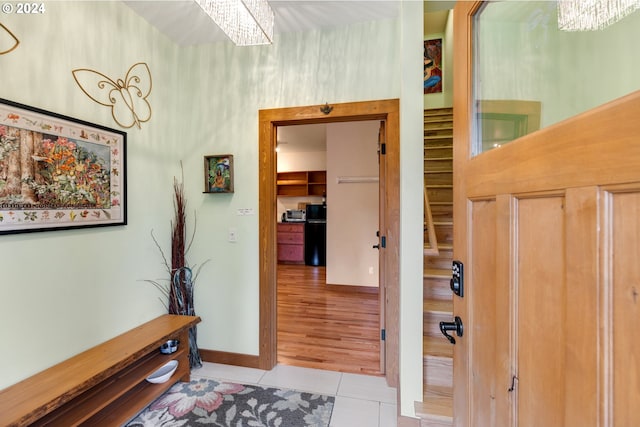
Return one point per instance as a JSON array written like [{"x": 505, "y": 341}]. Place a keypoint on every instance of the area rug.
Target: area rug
[{"x": 212, "y": 403}]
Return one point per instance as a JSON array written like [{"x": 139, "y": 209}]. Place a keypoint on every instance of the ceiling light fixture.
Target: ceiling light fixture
[
  {"x": 590, "y": 15},
  {"x": 245, "y": 22}
]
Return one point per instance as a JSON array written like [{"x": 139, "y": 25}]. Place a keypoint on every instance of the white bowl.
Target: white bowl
[{"x": 163, "y": 374}]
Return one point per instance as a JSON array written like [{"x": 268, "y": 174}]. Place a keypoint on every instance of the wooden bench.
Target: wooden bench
[{"x": 103, "y": 386}]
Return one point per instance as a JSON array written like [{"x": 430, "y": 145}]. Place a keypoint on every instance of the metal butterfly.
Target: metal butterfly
[
  {"x": 127, "y": 97},
  {"x": 8, "y": 41}
]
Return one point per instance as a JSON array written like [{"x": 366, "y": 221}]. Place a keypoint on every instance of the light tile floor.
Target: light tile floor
[{"x": 361, "y": 400}]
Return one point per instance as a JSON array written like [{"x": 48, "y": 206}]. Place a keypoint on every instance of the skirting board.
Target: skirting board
[
  {"x": 408, "y": 421},
  {"x": 226, "y": 358}
]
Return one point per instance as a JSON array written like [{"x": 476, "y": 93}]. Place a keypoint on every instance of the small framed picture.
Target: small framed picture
[{"x": 218, "y": 173}]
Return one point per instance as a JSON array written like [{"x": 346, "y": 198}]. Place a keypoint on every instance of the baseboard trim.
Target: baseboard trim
[
  {"x": 226, "y": 358},
  {"x": 408, "y": 421},
  {"x": 353, "y": 289}
]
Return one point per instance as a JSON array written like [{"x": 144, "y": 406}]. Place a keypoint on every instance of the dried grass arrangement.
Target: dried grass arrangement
[{"x": 178, "y": 290}]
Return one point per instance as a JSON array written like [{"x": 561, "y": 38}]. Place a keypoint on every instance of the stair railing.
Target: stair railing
[{"x": 431, "y": 245}]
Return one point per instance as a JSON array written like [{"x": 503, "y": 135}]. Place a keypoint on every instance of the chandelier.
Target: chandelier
[
  {"x": 590, "y": 15},
  {"x": 245, "y": 22}
]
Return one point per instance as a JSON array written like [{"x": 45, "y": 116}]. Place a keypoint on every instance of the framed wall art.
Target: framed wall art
[
  {"x": 432, "y": 66},
  {"x": 218, "y": 173},
  {"x": 57, "y": 172}
]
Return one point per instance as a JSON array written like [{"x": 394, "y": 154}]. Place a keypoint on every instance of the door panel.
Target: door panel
[
  {"x": 539, "y": 311},
  {"x": 486, "y": 330},
  {"x": 583, "y": 306},
  {"x": 547, "y": 227},
  {"x": 625, "y": 311}
]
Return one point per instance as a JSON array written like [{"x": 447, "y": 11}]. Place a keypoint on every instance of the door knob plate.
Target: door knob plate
[{"x": 456, "y": 326}]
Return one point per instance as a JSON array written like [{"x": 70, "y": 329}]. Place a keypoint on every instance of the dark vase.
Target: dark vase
[{"x": 181, "y": 302}]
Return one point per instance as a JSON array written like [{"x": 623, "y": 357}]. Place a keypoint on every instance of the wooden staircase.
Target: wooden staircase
[{"x": 436, "y": 408}]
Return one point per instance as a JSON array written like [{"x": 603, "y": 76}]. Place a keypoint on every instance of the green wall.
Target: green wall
[
  {"x": 568, "y": 72},
  {"x": 65, "y": 291}
]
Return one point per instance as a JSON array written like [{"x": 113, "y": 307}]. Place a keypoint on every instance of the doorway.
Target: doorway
[
  {"x": 269, "y": 120},
  {"x": 327, "y": 282}
]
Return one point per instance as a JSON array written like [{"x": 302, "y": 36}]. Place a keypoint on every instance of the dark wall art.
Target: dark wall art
[
  {"x": 218, "y": 173},
  {"x": 432, "y": 66}
]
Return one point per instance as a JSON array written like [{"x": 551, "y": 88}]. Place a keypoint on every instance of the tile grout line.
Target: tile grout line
[{"x": 339, "y": 384}]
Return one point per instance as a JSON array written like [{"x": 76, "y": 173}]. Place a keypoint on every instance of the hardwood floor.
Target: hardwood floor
[{"x": 326, "y": 326}]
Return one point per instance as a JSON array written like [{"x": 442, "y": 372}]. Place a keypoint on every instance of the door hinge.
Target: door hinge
[
  {"x": 383, "y": 242},
  {"x": 383, "y": 334}
]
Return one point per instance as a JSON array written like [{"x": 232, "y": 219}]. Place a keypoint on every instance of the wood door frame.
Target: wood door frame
[
  {"x": 462, "y": 24},
  {"x": 269, "y": 120}
]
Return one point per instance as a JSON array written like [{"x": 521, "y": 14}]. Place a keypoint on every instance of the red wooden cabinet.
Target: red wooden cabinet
[{"x": 291, "y": 242}]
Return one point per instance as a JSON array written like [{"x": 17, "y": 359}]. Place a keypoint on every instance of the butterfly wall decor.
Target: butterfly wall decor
[
  {"x": 8, "y": 41},
  {"x": 126, "y": 97}
]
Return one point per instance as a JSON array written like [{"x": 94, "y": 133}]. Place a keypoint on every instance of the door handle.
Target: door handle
[{"x": 456, "y": 326}]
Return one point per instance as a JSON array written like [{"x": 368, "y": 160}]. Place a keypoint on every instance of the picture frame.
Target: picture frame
[
  {"x": 58, "y": 172},
  {"x": 432, "y": 68},
  {"x": 218, "y": 173}
]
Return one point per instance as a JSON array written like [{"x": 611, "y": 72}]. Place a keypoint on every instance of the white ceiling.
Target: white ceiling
[{"x": 184, "y": 22}]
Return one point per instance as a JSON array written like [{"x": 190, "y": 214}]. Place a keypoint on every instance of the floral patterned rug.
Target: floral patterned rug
[{"x": 212, "y": 403}]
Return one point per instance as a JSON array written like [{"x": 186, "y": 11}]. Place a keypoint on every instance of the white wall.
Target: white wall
[
  {"x": 88, "y": 286},
  {"x": 299, "y": 161},
  {"x": 352, "y": 208},
  {"x": 246, "y": 80},
  {"x": 411, "y": 206},
  {"x": 65, "y": 291},
  {"x": 302, "y": 161},
  {"x": 568, "y": 72}
]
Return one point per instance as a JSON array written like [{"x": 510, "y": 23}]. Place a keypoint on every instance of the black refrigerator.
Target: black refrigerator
[{"x": 315, "y": 235}]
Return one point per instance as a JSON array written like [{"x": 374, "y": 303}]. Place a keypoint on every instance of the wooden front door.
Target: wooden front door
[{"x": 547, "y": 227}]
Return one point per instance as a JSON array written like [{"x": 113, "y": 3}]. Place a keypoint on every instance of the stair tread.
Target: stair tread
[
  {"x": 440, "y": 115},
  {"x": 436, "y": 347},
  {"x": 438, "y": 306},
  {"x": 437, "y": 404},
  {"x": 429, "y": 251},
  {"x": 439, "y": 223},
  {"x": 437, "y": 272},
  {"x": 443, "y": 223},
  {"x": 438, "y": 172},
  {"x": 436, "y": 137},
  {"x": 445, "y": 246}
]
